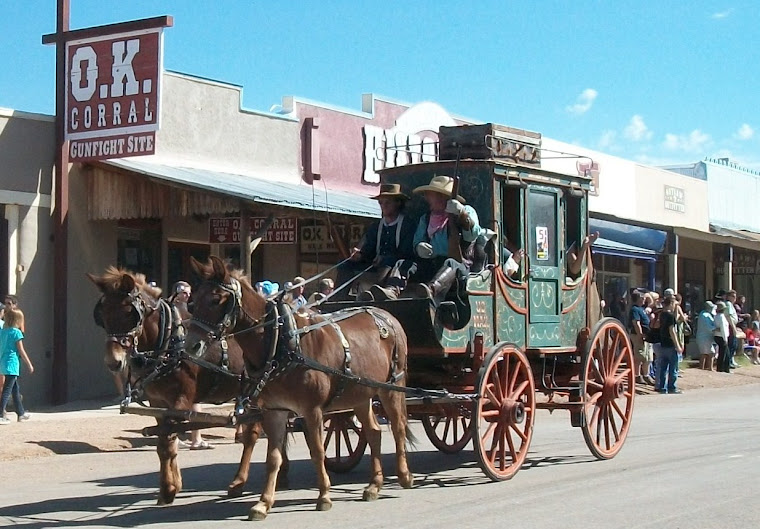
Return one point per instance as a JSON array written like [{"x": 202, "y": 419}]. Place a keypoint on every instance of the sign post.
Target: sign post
[{"x": 88, "y": 109}]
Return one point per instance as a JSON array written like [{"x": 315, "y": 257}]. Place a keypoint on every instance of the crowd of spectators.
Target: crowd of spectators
[{"x": 660, "y": 329}]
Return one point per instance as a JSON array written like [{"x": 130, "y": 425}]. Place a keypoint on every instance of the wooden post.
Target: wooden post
[
  {"x": 60, "y": 366},
  {"x": 245, "y": 240}
]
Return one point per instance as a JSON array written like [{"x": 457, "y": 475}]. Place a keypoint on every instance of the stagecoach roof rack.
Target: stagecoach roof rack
[{"x": 482, "y": 142}]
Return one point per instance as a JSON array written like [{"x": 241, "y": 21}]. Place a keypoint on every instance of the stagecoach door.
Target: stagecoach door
[{"x": 544, "y": 260}]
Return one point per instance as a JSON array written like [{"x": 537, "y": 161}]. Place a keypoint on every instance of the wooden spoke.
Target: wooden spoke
[
  {"x": 451, "y": 431},
  {"x": 607, "y": 388},
  {"x": 344, "y": 442},
  {"x": 503, "y": 423}
]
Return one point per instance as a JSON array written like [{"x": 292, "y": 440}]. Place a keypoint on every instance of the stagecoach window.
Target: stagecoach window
[
  {"x": 574, "y": 228},
  {"x": 511, "y": 225},
  {"x": 543, "y": 223}
]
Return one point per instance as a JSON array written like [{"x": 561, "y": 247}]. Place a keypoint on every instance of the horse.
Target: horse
[
  {"x": 130, "y": 311},
  {"x": 308, "y": 365}
]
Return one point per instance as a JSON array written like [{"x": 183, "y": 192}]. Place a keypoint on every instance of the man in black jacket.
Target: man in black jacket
[{"x": 387, "y": 240}]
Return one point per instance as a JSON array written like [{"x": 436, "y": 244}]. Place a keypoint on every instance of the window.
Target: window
[{"x": 511, "y": 223}]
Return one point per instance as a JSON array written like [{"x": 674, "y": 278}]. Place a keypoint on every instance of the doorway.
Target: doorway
[{"x": 179, "y": 268}]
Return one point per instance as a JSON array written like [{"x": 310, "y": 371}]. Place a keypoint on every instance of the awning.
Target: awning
[
  {"x": 255, "y": 189},
  {"x": 630, "y": 235},
  {"x": 607, "y": 247},
  {"x": 720, "y": 235}
]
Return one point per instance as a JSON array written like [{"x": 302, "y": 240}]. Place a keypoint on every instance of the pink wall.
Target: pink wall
[{"x": 336, "y": 151}]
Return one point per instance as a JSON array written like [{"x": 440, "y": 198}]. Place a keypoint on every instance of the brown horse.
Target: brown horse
[
  {"x": 130, "y": 312},
  {"x": 367, "y": 343}
]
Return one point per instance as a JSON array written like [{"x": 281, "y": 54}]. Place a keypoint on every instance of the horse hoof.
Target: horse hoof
[
  {"x": 165, "y": 499},
  {"x": 407, "y": 481},
  {"x": 235, "y": 491},
  {"x": 370, "y": 494},
  {"x": 257, "y": 513},
  {"x": 324, "y": 504}
]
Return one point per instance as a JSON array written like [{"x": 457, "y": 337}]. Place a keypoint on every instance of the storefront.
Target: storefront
[
  {"x": 652, "y": 224},
  {"x": 26, "y": 249},
  {"x": 216, "y": 166}
]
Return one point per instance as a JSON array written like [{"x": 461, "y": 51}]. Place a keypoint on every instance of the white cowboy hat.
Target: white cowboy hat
[{"x": 440, "y": 184}]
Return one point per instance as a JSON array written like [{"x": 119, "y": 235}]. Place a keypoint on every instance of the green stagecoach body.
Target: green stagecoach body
[{"x": 542, "y": 212}]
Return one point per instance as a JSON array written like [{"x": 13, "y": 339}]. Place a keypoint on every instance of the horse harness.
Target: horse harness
[
  {"x": 282, "y": 339},
  {"x": 167, "y": 352}
]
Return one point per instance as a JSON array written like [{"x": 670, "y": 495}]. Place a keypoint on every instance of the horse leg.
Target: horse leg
[
  {"x": 372, "y": 432},
  {"x": 170, "y": 480},
  {"x": 313, "y": 433},
  {"x": 394, "y": 404},
  {"x": 251, "y": 433},
  {"x": 275, "y": 425}
]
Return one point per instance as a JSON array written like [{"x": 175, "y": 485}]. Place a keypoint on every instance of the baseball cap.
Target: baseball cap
[
  {"x": 182, "y": 286},
  {"x": 669, "y": 293}
]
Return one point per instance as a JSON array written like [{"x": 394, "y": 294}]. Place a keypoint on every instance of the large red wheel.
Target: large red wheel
[
  {"x": 449, "y": 432},
  {"x": 608, "y": 388},
  {"x": 344, "y": 442},
  {"x": 503, "y": 422}
]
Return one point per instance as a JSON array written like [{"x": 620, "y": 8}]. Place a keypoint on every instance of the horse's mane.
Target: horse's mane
[
  {"x": 113, "y": 275},
  {"x": 240, "y": 276}
]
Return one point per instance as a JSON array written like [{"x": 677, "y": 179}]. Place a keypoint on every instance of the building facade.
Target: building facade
[{"x": 27, "y": 146}]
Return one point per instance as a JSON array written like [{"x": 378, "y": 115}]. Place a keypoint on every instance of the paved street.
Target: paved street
[{"x": 691, "y": 461}]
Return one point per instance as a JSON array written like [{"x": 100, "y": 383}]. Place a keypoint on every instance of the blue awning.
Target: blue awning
[
  {"x": 627, "y": 234},
  {"x": 255, "y": 189},
  {"x": 606, "y": 247}
]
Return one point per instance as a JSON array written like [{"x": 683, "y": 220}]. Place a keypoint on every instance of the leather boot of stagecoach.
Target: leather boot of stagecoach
[{"x": 435, "y": 289}]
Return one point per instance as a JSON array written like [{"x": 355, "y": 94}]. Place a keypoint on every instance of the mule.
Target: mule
[
  {"x": 130, "y": 312},
  {"x": 368, "y": 343}
]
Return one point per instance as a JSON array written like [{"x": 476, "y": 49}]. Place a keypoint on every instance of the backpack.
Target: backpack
[{"x": 653, "y": 334}]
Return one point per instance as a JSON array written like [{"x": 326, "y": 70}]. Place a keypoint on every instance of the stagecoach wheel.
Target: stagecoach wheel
[
  {"x": 344, "y": 442},
  {"x": 504, "y": 414},
  {"x": 608, "y": 388},
  {"x": 449, "y": 432}
]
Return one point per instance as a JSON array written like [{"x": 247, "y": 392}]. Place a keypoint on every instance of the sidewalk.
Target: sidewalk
[{"x": 695, "y": 378}]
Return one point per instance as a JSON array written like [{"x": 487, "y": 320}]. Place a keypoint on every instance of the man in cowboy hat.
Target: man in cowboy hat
[
  {"x": 433, "y": 267},
  {"x": 387, "y": 240}
]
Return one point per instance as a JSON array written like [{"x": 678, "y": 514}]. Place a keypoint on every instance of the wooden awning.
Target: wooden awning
[
  {"x": 114, "y": 194},
  {"x": 128, "y": 188}
]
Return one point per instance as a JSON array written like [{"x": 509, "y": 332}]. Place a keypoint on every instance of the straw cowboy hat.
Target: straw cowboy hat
[
  {"x": 440, "y": 184},
  {"x": 390, "y": 191}
]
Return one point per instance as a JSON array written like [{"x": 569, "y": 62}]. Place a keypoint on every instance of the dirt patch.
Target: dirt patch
[{"x": 80, "y": 432}]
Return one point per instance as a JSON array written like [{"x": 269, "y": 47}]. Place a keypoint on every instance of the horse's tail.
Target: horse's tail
[{"x": 411, "y": 439}]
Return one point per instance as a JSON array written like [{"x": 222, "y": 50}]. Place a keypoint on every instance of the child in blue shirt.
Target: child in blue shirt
[{"x": 11, "y": 348}]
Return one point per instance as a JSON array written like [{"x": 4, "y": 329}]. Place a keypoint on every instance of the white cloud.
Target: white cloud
[
  {"x": 583, "y": 102},
  {"x": 637, "y": 130},
  {"x": 745, "y": 132},
  {"x": 607, "y": 139},
  {"x": 695, "y": 141},
  {"x": 722, "y": 14}
]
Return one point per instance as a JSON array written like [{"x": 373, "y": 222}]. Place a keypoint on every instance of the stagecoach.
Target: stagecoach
[
  {"x": 520, "y": 342},
  {"x": 532, "y": 340}
]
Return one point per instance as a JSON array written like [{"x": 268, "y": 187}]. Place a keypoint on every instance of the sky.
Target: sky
[{"x": 655, "y": 81}]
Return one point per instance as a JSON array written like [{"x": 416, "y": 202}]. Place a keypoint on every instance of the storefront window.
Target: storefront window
[
  {"x": 613, "y": 279},
  {"x": 691, "y": 284},
  {"x": 139, "y": 247}
]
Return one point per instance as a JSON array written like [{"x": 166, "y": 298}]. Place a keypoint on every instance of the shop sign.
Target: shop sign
[
  {"x": 675, "y": 199},
  {"x": 413, "y": 139},
  {"x": 226, "y": 230},
  {"x": 745, "y": 263},
  {"x": 317, "y": 239},
  {"x": 113, "y": 95}
]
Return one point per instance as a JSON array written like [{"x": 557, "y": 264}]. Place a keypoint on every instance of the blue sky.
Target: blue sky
[{"x": 653, "y": 81}]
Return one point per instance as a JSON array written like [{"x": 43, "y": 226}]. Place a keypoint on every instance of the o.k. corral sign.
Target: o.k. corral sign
[{"x": 113, "y": 95}]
